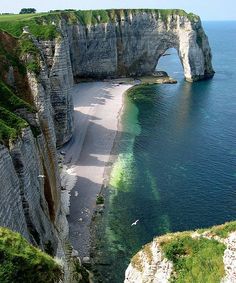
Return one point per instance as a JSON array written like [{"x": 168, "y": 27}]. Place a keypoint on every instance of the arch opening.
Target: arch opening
[{"x": 170, "y": 63}]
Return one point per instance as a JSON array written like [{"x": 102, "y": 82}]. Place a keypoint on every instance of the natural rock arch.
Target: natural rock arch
[
  {"x": 170, "y": 63},
  {"x": 132, "y": 44}
]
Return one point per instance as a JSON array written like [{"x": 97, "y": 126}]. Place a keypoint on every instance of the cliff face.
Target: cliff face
[
  {"x": 37, "y": 71},
  {"x": 55, "y": 49},
  {"x": 133, "y": 42},
  {"x": 149, "y": 265},
  {"x": 29, "y": 175}
]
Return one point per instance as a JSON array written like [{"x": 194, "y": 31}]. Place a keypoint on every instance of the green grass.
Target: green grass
[
  {"x": 40, "y": 25},
  {"x": 10, "y": 123},
  {"x": 195, "y": 260},
  {"x": 10, "y": 58},
  {"x": 164, "y": 13},
  {"x": 12, "y": 120},
  {"x": 27, "y": 47},
  {"x": 21, "y": 262},
  {"x": 222, "y": 231},
  {"x": 6, "y": 133},
  {"x": 18, "y": 17},
  {"x": 92, "y": 16},
  {"x": 10, "y": 101},
  {"x": 103, "y": 16}
]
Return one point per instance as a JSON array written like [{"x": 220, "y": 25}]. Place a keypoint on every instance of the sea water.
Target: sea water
[{"x": 176, "y": 164}]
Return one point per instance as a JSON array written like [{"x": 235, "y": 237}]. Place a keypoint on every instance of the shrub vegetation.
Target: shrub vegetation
[
  {"x": 27, "y": 11},
  {"x": 21, "y": 262},
  {"x": 195, "y": 260},
  {"x": 10, "y": 123}
]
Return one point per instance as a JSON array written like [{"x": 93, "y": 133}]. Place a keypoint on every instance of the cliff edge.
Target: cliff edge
[{"x": 205, "y": 255}]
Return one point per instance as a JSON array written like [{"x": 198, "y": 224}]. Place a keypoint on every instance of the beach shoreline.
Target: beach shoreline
[{"x": 88, "y": 157}]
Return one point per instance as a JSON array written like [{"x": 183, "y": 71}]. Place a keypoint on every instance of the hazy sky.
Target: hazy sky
[{"x": 207, "y": 9}]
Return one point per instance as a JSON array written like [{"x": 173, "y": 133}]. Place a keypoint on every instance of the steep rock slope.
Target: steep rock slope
[{"x": 38, "y": 92}]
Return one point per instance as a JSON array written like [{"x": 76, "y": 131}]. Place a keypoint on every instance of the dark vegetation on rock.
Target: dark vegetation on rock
[
  {"x": 21, "y": 262},
  {"x": 27, "y": 11},
  {"x": 17, "y": 96}
]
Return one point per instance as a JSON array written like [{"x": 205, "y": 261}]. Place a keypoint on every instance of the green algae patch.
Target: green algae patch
[
  {"x": 141, "y": 94},
  {"x": 21, "y": 262},
  {"x": 122, "y": 172}
]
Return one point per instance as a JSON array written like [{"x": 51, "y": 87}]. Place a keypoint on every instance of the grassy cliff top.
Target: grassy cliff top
[
  {"x": 197, "y": 256},
  {"x": 44, "y": 25},
  {"x": 21, "y": 262}
]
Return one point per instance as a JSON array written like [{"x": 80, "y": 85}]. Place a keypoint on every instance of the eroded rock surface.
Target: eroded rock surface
[
  {"x": 133, "y": 43},
  {"x": 149, "y": 266},
  {"x": 230, "y": 259}
]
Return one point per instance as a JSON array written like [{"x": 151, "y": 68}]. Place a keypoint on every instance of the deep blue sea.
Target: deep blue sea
[{"x": 176, "y": 165}]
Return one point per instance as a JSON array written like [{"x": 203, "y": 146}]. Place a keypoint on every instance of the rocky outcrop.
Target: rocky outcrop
[
  {"x": 11, "y": 212},
  {"x": 30, "y": 183},
  {"x": 230, "y": 259},
  {"x": 30, "y": 214},
  {"x": 149, "y": 265},
  {"x": 57, "y": 76},
  {"x": 132, "y": 43}
]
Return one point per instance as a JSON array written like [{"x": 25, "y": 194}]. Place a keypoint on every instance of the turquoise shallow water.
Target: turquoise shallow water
[{"x": 176, "y": 168}]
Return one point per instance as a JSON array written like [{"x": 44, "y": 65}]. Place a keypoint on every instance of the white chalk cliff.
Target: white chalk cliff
[
  {"x": 133, "y": 42},
  {"x": 127, "y": 43}
]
